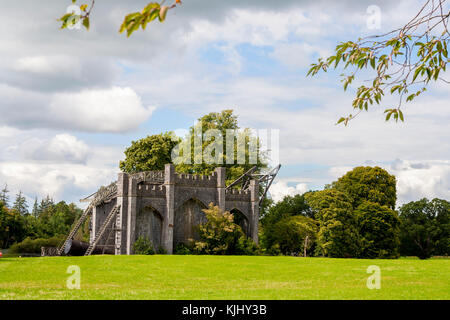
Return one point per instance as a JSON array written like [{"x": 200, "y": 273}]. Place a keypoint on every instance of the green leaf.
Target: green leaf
[
  {"x": 416, "y": 73},
  {"x": 86, "y": 23},
  {"x": 410, "y": 97},
  {"x": 163, "y": 13},
  {"x": 151, "y": 6},
  {"x": 129, "y": 18},
  {"x": 341, "y": 120}
]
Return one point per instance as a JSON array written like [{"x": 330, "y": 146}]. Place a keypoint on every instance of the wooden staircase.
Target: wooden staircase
[
  {"x": 109, "y": 220},
  {"x": 75, "y": 229}
]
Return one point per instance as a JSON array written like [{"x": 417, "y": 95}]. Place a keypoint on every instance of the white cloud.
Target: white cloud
[
  {"x": 38, "y": 179},
  {"x": 105, "y": 110},
  {"x": 49, "y": 65},
  {"x": 419, "y": 179},
  {"x": 298, "y": 54},
  {"x": 7, "y": 132},
  {"x": 256, "y": 27},
  {"x": 61, "y": 148},
  {"x": 280, "y": 189}
]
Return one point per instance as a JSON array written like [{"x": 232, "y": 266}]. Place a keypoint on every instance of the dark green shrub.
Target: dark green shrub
[
  {"x": 247, "y": 247},
  {"x": 143, "y": 246},
  {"x": 34, "y": 246},
  {"x": 292, "y": 233},
  {"x": 161, "y": 250},
  {"x": 219, "y": 235},
  {"x": 273, "y": 250},
  {"x": 182, "y": 249}
]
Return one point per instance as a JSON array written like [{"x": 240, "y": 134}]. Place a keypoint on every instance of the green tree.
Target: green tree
[
  {"x": 221, "y": 122},
  {"x": 289, "y": 206},
  {"x": 219, "y": 235},
  {"x": 338, "y": 235},
  {"x": 4, "y": 197},
  {"x": 3, "y": 224},
  {"x": 425, "y": 228},
  {"x": 153, "y": 152},
  {"x": 378, "y": 228},
  {"x": 36, "y": 210},
  {"x": 20, "y": 204},
  {"x": 57, "y": 219},
  {"x": 12, "y": 226},
  {"x": 46, "y": 203},
  {"x": 368, "y": 184},
  {"x": 295, "y": 235},
  {"x": 402, "y": 61},
  {"x": 150, "y": 153}
]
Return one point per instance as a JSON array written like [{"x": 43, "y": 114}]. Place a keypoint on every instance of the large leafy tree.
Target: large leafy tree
[
  {"x": 288, "y": 207},
  {"x": 57, "y": 219},
  {"x": 12, "y": 226},
  {"x": 219, "y": 235},
  {"x": 153, "y": 152},
  {"x": 295, "y": 235},
  {"x": 338, "y": 235},
  {"x": 359, "y": 207},
  {"x": 425, "y": 228},
  {"x": 378, "y": 228},
  {"x": 368, "y": 184},
  {"x": 150, "y": 153},
  {"x": 221, "y": 122}
]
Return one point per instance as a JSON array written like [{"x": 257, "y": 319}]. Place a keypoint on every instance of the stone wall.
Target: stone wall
[{"x": 165, "y": 207}]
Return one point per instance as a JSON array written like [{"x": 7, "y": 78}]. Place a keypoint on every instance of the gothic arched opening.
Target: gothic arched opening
[
  {"x": 149, "y": 225},
  {"x": 241, "y": 220},
  {"x": 187, "y": 217}
]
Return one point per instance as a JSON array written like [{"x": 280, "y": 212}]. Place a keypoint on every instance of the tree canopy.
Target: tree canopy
[
  {"x": 378, "y": 228},
  {"x": 149, "y": 153},
  {"x": 338, "y": 236},
  {"x": 153, "y": 152},
  {"x": 356, "y": 215},
  {"x": 425, "y": 228},
  {"x": 368, "y": 184}
]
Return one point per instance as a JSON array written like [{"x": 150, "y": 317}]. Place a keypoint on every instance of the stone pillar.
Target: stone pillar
[
  {"x": 93, "y": 224},
  {"x": 131, "y": 216},
  {"x": 220, "y": 173},
  {"x": 254, "y": 192},
  {"x": 121, "y": 218},
  {"x": 167, "y": 232}
]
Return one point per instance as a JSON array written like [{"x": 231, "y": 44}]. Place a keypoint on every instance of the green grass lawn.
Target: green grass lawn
[{"x": 222, "y": 277}]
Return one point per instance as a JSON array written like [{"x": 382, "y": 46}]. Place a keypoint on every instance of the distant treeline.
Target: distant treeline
[
  {"x": 47, "y": 220},
  {"x": 353, "y": 217}
]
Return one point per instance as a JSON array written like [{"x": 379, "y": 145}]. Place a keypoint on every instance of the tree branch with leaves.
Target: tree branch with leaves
[
  {"x": 131, "y": 22},
  {"x": 404, "y": 60}
]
